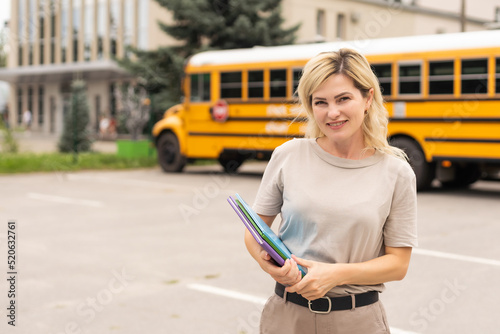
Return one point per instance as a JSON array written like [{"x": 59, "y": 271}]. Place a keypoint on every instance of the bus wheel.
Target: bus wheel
[
  {"x": 424, "y": 171},
  {"x": 464, "y": 176},
  {"x": 231, "y": 162},
  {"x": 169, "y": 156}
]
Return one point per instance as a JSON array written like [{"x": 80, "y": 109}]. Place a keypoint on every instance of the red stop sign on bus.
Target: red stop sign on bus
[{"x": 220, "y": 111}]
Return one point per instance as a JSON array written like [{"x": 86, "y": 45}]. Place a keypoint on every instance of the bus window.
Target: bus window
[
  {"x": 200, "y": 87},
  {"x": 441, "y": 77},
  {"x": 498, "y": 76},
  {"x": 255, "y": 84},
  {"x": 278, "y": 83},
  {"x": 409, "y": 79},
  {"x": 474, "y": 76},
  {"x": 230, "y": 85},
  {"x": 384, "y": 75},
  {"x": 297, "y": 73}
]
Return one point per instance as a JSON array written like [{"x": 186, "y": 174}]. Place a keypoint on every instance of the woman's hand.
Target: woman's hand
[
  {"x": 321, "y": 278},
  {"x": 288, "y": 274}
]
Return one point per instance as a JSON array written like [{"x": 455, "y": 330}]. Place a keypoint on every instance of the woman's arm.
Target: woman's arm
[
  {"x": 289, "y": 274},
  {"x": 322, "y": 277}
]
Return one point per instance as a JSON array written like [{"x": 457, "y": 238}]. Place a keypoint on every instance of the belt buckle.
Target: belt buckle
[{"x": 309, "y": 302}]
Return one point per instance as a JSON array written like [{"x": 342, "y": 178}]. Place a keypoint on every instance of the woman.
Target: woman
[{"x": 348, "y": 206}]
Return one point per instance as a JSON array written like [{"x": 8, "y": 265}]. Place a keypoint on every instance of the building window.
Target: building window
[
  {"x": 101, "y": 27},
  {"x": 320, "y": 23},
  {"x": 143, "y": 24},
  {"x": 30, "y": 99},
  {"x": 128, "y": 30},
  {"x": 76, "y": 28},
  {"x": 230, "y": 85},
  {"x": 341, "y": 33},
  {"x": 113, "y": 21},
  {"x": 52, "y": 32},
  {"x": 64, "y": 29},
  {"x": 200, "y": 87},
  {"x": 410, "y": 79},
  {"x": 88, "y": 30},
  {"x": 296, "y": 74},
  {"x": 20, "y": 31},
  {"x": 97, "y": 112},
  {"x": 41, "y": 30},
  {"x": 41, "y": 113},
  {"x": 497, "y": 76},
  {"x": 278, "y": 83},
  {"x": 441, "y": 77},
  {"x": 474, "y": 76},
  {"x": 255, "y": 84},
  {"x": 384, "y": 75},
  {"x": 112, "y": 99},
  {"x": 19, "y": 106},
  {"x": 32, "y": 19},
  {"x": 497, "y": 14}
]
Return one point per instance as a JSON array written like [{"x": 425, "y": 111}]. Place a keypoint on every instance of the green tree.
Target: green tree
[
  {"x": 75, "y": 137},
  {"x": 201, "y": 25}
]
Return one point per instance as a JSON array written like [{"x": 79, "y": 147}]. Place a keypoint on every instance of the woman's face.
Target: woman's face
[{"x": 339, "y": 110}]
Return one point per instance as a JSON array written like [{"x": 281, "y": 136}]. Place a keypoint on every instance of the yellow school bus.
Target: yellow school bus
[{"x": 442, "y": 94}]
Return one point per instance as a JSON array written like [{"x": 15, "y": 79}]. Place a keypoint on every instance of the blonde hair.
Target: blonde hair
[{"x": 355, "y": 66}]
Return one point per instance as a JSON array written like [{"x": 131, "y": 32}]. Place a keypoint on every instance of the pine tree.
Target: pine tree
[
  {"x": 206, "y": 25},
  {"x": 75, "y": 137}
]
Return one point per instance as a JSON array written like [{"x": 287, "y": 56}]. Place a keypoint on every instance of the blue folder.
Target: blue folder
[{"x": 264, "y": 231}]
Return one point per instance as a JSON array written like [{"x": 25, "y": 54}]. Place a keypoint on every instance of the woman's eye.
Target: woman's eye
[
  {"x": 317, "y": 103},
  {"x": 344, "y": 98}
]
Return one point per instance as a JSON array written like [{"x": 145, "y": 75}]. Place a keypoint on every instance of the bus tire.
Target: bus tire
[
  {"x": 465, "y": 175},
  {"x": 425, "y": 172},
  {"x": 231, "y": 162},
  {"x": 169, "y": 155}
]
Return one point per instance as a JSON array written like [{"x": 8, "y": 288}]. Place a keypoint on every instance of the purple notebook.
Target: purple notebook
[{"x": 263, "y": 243}]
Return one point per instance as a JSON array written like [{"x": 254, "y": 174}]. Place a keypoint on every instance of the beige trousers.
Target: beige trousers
[{"x": 279, "y": 317}]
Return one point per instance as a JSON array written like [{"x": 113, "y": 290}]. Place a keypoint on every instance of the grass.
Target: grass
[{"x": 63, "y": 162}]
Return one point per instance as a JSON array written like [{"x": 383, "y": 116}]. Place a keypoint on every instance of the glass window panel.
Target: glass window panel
[
  {"x": 230, "y": 85},
  {"x": 194, "y": 88},
  {"x": 441, "y": 87},
  {"x": 441, "y": 68},
  {"x": 497, "y": 81},
  {"x": 297, "y": 73},
  {"x": 278, "y": 83},
  {"x": 255, "y": 84},
  {"x": 441, "y": 77},
  {"x": 409, "y": 79},
  {"x": 409, "y": 70},
  {"x": 475, "y": 66},
  {"x": 409, "y": 88},
  {"x": 382, "y": 70},
  {"x": 474, "y": 86},
  {"x": 384, "y": 75},
  {"x": 206, "y": 87}
]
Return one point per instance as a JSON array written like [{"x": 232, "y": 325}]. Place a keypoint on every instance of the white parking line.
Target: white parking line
[
  {"x": 458, "y": 257},
  {"x": 253, "y": 299},
  {"x": 65, "y": 200}
]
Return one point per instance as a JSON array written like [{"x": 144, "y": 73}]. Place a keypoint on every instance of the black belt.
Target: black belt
[{"x": 327, "y": 304}]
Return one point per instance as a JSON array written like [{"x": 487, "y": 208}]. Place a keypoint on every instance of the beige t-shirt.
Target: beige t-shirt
[{"x": 338, "y": 210}]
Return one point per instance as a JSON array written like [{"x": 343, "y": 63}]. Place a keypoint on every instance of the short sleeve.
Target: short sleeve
[
  {"x": 269, "y": 197},
  {"x": 400, "y": 229}
]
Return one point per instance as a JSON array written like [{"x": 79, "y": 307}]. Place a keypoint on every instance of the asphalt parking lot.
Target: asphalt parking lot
[{"x": 143, "y": 251}]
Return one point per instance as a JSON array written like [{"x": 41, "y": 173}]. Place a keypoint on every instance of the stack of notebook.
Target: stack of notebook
[{"x": 261, "y": 232}]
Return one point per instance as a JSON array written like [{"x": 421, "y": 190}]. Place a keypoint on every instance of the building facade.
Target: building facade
[{"x": 53, "y": 42}]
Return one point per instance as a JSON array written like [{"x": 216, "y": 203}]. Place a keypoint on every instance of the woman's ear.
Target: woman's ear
[{"x": 369, "y": 98}]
